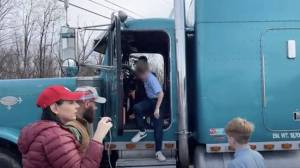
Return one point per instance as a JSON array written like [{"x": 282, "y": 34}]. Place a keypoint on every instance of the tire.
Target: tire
[
  {"x": 113, "y": 159},
  {"x": 199, "y": 157},
  {"x": 8, "y": 159}
]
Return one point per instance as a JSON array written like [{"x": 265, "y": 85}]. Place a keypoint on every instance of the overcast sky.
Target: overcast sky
[
  {"x": 142, "y": 8},
  {"x": 136, "y": 9}
]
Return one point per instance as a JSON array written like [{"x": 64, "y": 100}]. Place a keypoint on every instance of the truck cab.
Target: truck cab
[{"x": 122, "y": 46}]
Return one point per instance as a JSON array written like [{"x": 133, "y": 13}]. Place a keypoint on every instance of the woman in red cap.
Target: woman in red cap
[{"x": 46, "y": 143}]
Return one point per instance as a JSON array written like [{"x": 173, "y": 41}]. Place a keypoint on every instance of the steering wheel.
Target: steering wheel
[
  {"x": 128, "y": 73},
  {"x": 128, "y": 82}
]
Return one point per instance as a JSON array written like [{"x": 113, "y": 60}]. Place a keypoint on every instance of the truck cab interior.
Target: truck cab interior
[{"x": 155, "y": 46}]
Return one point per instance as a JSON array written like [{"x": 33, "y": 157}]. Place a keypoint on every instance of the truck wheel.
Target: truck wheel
[
  {"x": 199, "y": 158},
  {"x": 8, "y": 159}
]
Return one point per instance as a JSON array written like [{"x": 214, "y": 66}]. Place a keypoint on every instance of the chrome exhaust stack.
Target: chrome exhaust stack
[{"x": 181, "y": 82}]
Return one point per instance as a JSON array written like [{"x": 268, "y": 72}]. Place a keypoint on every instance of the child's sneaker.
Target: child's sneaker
[
  {"x": 139, "y": 136},
  {"x": 160, "y": 156}
]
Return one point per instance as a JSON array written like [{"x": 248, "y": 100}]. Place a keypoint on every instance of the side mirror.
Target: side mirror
[
  {"x": 123, "y": 16},
  {"x": 70, "y": 67}
]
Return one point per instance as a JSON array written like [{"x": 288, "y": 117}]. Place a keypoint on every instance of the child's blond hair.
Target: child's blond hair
[{"x": 240, "y": 129}]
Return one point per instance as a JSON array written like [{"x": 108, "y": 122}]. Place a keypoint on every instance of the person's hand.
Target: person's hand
[
  {"x": 156, "y": 113},
  {"x": 104, "y": 125},
  {"x": 132, "y": 94}
]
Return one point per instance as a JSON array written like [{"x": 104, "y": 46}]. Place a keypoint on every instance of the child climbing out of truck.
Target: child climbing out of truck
[
  {"x": 238, "y": 132},
  {"x": 151, "y": 104}
]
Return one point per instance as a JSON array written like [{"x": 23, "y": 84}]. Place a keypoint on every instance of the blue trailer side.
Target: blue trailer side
[
  {"x": 233, "y": 80},
  {"x": 243, "y": 70}
]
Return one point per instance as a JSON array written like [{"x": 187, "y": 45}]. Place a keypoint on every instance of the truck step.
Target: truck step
[
  {"x": 146, "y": 163},
  {"x": 140, "y": 154}
]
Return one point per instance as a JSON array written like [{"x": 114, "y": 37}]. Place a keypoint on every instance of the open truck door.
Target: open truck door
[
  {"x": 125, "y": 45},
  {"x": 111, "y": 74},
  {"x": 116, "y": 54}
]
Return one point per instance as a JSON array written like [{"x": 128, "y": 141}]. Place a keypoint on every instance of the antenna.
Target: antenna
[
  {"x": 123, "y": 8},
  {"x": 105, "y": 6},
  {"x": 86, "y": 10},
  {"x": 66, "y": 9},
  {"x": 102, "y": 5}
]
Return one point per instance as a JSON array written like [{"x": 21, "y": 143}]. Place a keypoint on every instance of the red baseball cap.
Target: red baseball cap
[{"x": 55, "y": 93}]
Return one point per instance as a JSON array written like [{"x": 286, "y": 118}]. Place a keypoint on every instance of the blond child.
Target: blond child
[{"x": 238, "y": 132}]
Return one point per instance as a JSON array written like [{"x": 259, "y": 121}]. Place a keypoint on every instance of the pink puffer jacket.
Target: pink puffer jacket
[{"x": 46, "y": 144}]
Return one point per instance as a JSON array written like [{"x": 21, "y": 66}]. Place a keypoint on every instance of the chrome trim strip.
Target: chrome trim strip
[
  {"x": 259, "y": 146},
  {"x": 140, "y": 145}
]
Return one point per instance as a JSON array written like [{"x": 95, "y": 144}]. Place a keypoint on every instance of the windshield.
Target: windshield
[{"x": 101, "y": 43}]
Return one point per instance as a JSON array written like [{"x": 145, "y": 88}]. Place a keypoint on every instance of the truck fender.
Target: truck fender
[
  {"x": 9, "y": 134},
  {"x": 9, "y": 153}
]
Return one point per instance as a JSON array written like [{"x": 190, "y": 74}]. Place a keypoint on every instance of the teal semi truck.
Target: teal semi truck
[{"x": 238, "y": 59}]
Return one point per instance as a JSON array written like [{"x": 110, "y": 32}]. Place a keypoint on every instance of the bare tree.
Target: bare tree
[
  {"x": 32, "y": 46},
  {"x": 5, "y": 9},
  {"x": 49, "y": 14},
  {"x": 85, "y": 44},
  {"x": 28, "y": 26}
]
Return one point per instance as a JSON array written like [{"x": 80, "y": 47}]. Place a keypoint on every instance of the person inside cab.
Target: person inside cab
[
  {"x": 137, "y": 91},
  {"x": 150, "y": 105}
]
